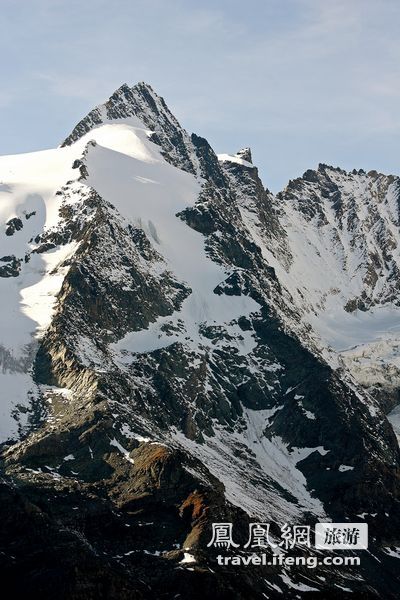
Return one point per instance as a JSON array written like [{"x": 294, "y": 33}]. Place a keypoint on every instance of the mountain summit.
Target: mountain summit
[
  {"x": 141, "y": 102},
  {"x": 180, "y": 347}
]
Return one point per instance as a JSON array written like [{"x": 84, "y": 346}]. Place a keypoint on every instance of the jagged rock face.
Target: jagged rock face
[
  {"x": 345, "y": 277},
  {"x": 358, "y": 217},
  {"x": 175, "y": 369},
  {"x": 142, "y": 102}
]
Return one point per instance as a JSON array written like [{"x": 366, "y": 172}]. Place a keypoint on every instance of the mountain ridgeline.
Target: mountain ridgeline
[{"x": 181, "y": 347}]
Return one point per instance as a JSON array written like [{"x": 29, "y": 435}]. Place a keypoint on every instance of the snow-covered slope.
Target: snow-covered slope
[
  {"x": 336, "y": 254},
  {"x": 343, "y": 234},
  {"x": 149, "y": 192},
  {"x": 30, "y": 278}
]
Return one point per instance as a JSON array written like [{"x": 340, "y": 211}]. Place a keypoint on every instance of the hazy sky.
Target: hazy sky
[{"x": 300, "y": 81}]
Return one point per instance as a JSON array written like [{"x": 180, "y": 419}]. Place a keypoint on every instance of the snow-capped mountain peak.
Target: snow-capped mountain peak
[
  {"x": 174, "y": 335},
  {"x": 142, "y": 102}
]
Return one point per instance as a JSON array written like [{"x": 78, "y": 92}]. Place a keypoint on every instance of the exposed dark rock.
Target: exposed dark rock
[
  {"x": 14, "y": 225},
  {"x": 12, "y": 269}
]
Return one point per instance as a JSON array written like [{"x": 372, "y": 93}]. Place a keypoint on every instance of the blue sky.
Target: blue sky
[{"x": 300, "y": 81}]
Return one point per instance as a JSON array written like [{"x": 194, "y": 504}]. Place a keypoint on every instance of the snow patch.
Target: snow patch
[
  {"x": 187, "y": 558},
  {"x": 123, "y": 450}
]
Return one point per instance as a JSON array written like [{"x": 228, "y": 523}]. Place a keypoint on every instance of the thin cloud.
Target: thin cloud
[
  {"x": 74, "y": 86},
  {"x": 310, "y": 77}
]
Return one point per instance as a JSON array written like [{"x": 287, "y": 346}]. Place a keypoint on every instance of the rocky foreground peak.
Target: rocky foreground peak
[
  {"x": 138, "y": 101},
  {"x": 180, "y": 347},
  {"x": 245, "y": 154},
  {"x": 141, "y": 102}
]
